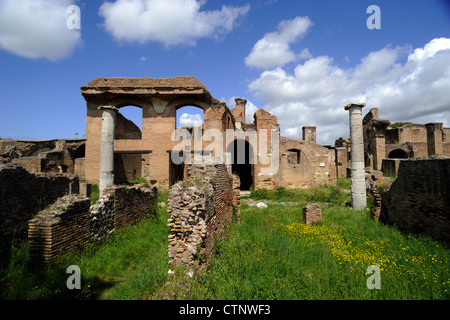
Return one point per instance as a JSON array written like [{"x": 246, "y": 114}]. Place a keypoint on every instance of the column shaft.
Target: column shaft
[
  {"x": 107, "y": 148},
  {"x": 358, "y": 188}
]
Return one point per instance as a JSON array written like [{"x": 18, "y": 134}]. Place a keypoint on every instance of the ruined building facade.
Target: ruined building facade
[
  {"x": 386, "y": 146},
  {"x": 254, "y": 151}
]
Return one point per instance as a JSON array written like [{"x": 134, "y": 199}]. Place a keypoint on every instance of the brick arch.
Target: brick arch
[
  {"x": 183, "y": 102},
  {"x": 296, "y": 145},
  {"x": 120, "y": 102}
]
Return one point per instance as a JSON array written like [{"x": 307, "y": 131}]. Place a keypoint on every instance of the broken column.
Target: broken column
[
  {"x": 358, "y": 189},
  {"x": 434, "y": 138},
  {"x": 107, "y": 147},
  {"x": 309, "y": 133}
]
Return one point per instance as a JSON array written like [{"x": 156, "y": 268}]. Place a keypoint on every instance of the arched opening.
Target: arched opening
[
  {"x": 242, "y": 161},
  {"x": 398, "y": 154},
  {"x": 189, "y": 117},
  {"x": 128, "y": 164},
  {"x": 129, "y": 123},
  {"x": 295, "y": 157}
]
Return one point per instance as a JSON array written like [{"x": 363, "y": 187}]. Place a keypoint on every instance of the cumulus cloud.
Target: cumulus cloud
[
  {"x": 37, "y": 29},
  {"x": 406, "y": 84},
  {"x": 190, "y": 120},
  {"x": 274, "y": 48},
  {"x": 172, "y": 22}
]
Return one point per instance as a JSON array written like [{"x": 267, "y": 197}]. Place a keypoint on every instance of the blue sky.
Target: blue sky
[{"x": 301, "y": 60}]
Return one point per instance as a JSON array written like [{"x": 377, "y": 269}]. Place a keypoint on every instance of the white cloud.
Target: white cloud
[
  {"x": 190, "y": 120},
  {"x": 37, "y": 29},
  {"x": 405, "y": 84},
  {"x": 273, "y": 49},
  {"x": 171, "y": 22}
]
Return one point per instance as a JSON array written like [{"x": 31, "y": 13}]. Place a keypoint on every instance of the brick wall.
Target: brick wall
[
  {"x": 23, "y": 194},
  {"x": 71, "y": 222},
  {"x": 419, "y": 199},
  {"x": 201, "y": 209},
  {"x": 62, "y": 227}
]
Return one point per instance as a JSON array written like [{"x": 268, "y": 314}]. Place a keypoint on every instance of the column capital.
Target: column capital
[
  {"x": 353, "y": 105},
  {"x": 108, "y": 108}
]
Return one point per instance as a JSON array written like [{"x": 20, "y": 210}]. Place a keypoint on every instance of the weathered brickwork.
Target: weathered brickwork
[
  {"x": 63, "y": 227},
  {"x": 121, "y": 206},
  {"x": 23, "y": 194},
  {"x": 71, "y": 222},
  {"x": 312, "y": 213},
  {"x": 419, "y": 199},
  {"x": 201, "y": 209},
  {"x": 147, "y": 153}
]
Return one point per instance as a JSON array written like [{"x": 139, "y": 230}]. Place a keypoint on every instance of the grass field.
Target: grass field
[{"x": 271, "y": 254}]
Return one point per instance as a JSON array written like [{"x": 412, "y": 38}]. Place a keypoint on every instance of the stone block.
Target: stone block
[{"x": 312, "y": 213}]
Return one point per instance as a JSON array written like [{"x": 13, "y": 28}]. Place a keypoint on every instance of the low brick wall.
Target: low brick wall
[
  {"x": 201, "y": 209},
  {"x": 419, "y": 199},
  {"x": 121, "y": 206},
  {"x": 70, "y": 223},
  {"x": 22, "y": 195},
  {"x": 62, "y": 227}
]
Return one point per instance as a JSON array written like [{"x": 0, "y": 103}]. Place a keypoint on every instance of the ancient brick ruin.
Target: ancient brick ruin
[
  {"x": 419, "y": 199},
  {"x": 23, "y": 194},
  {"x": 71, "y": 222},
  {"x": 312, "y": 213},
  {"x": 55, "y": 156},
  {"x": 147, "y": 153},
  {"x": 201, "y": 208},
  {"x": 44, "y": 188},
  {"x": 385, "y": 147}
]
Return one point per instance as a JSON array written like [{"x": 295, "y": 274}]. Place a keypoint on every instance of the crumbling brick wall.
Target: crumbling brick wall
[
  {"x": 419, "y": 199},
  {"x": 121, "y": 206},
  {"x": 23, "y": 194},
  {"x": 201, "y": 209},
  {"x": 62, "y": 227},
  {"x": 70, "y": 223}
]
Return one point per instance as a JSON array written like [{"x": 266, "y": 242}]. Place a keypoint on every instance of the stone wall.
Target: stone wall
[
  {"x": 201, "y": 208},
  {"x": 70, "y": 223},
  {"x": 419, "y": 199},
  {"x": 23, "y": 194}
]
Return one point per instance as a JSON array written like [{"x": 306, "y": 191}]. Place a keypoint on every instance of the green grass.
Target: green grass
[
  {"x": 271, "y": 254},
  {"x": 131, "y": 263},
  {"x": 325, "y": 193},
  {"x": 95, "y": 193}
]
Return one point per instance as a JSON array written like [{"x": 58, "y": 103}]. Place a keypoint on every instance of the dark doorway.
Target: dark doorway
[
  {"x": 398, "y": 154},
  {"x": 176, "y": 169},
  {"x": 127, "y": 167},
  {"x": 242, "y": 162}
]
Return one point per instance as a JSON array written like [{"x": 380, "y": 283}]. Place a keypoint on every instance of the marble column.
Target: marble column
[
  {"x": 358, "y": 189},
  {"x": 107, "y": 147}
]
